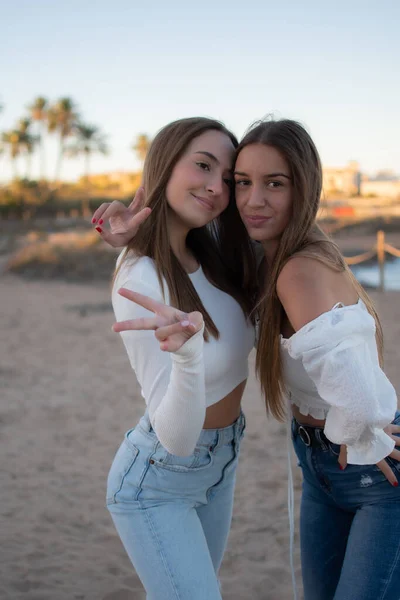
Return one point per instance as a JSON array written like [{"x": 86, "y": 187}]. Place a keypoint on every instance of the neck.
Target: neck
[
  {"x": 270, "y": 248},
  {"x": 178, "y": 232}
]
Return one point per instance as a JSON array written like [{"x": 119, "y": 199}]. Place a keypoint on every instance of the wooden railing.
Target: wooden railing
[{"x": 380, "y": 249}]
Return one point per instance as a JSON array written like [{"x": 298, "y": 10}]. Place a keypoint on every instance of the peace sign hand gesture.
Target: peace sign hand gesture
[
  {"x": 172, "y": 327},
  {"x": 124, "y": 221}
]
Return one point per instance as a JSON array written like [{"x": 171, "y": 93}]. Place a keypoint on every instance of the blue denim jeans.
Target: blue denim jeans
[
  {"x": 349, "y": 526},
  {"x": 173, "y": 513}
]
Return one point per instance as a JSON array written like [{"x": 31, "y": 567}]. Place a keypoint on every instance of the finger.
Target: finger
[
  {"x": 342, "y": 460},
  {"x": 100, "y": 211},
  {"x": 395, "y": 454},
  {"x": 113, "y": 209},
  {"x": 151, "y": 304},
  {"x": 116, "y": 240},
  {"x": 162, "y": 333},
  {"x": 392, "y": 430},
  {"x": 395, "y": 438},
  {"x": 388, "y": 473},
  {"x": 138, "y": 199},
  {"x": 143, "y": 323},
  {"x": 133, "y": 225},
  {"x": 197, "y": 319}
]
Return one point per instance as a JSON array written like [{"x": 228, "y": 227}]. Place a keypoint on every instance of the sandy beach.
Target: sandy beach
[{"x": 67, "y": 396}]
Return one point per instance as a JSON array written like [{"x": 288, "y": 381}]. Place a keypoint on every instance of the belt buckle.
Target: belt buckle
[{"x": 304, "y": 435}]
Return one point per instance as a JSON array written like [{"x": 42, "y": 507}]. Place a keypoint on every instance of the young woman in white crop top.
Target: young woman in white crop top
[
  {"x": 320, "y": 349},
  {"x": 170, "y": 487},
  {"x": 319, "y": 354}
]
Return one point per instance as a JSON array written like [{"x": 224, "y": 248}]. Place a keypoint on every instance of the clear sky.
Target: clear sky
[{"x": 134, "y": 65}]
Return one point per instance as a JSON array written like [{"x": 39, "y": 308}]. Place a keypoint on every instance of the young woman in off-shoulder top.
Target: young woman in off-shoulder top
[
  {"x": 320, "y": 350},
  {"x": 319, "y": 359}
]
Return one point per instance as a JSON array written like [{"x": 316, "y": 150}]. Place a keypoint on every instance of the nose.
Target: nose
[
  {"x": 215, "y": 185},
  {"x": 255, "y": 197}
]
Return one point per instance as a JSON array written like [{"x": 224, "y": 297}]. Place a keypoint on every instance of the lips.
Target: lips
[
  {"x": 256, "y": 219},
  {"x": 205, "y": 202}
]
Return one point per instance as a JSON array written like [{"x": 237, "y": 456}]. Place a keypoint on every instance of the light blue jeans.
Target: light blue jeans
[
  {"x": 349, "y": 525},
  {"x": 173, "y": 513}
]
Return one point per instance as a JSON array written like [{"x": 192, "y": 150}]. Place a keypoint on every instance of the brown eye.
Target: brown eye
[{"x": 204, "y": 166}]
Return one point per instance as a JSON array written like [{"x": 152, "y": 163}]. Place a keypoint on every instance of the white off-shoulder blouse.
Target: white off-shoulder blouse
[{"x": 331, "y": 371}]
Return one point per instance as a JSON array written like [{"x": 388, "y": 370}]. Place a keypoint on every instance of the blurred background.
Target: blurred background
[{"x": 85, "y": 86}]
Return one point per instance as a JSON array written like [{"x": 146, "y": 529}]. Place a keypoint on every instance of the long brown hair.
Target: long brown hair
[
  {"x": 302, "y": 236},
  {"x": 222, "y": 247}
]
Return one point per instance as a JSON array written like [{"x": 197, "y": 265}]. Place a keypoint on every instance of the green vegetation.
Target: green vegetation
[{"x": 49, "y": 195}]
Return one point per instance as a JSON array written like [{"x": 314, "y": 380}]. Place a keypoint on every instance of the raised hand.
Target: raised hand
[
  {"x": 172, "y": 327},
  {"x": 124, "y": 221},
  {"x": 383, "y": 465}
]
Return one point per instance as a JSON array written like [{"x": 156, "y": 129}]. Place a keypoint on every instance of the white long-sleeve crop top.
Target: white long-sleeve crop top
[
  {"x": 331, "y": 371},
  {"x": 179, "y": 386}
]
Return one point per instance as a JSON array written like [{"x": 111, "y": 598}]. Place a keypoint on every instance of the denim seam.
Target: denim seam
[
  {"x": 160, "y": 550},
  {"x": 391, "y": 573},
  {"x": 145, "y": 471},
  {"x": 113, "y": 498}
]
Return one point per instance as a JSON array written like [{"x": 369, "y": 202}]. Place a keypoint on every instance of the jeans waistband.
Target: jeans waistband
[
  {"x": 208, "y": 437},
  {"x": 310, "y": 435}
]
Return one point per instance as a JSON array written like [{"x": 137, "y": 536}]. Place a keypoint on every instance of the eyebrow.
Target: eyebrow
[
  {"x": 214, "y": 158},
  {"x": 269, "y": 175}
]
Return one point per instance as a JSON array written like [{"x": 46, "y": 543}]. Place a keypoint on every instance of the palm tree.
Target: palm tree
[
  {"x": 12, "y": 141},
  {"x": 27, "y": 142},
  {"x": 89, "y": 140},
  {"x": 141, "y": 146},
  {"x": 62, "y": 118},
  {"x": 38, "y": 112}
]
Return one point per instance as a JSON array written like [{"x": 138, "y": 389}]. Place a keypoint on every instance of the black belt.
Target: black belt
[{"x": 310, "y": 436}]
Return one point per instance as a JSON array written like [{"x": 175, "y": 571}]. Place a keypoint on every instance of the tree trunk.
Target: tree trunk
[
  {"x": 42, "y": 152},
  {"x": 85, "y": 200},
  {"x": 59, "y": 162}
]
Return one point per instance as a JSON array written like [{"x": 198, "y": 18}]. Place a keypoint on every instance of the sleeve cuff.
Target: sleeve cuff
[{"x": 378, "y": 448}]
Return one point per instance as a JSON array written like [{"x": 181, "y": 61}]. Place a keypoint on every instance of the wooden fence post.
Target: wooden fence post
[{"x": 380, "y": 250}]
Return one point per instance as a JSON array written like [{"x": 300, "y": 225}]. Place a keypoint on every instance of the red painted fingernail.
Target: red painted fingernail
[
  {"x": 93, "y": 220},
  {"x": 99, "y": 230},
  {"x": 395, "y": 483},
  {"x": 341, "y": 468},
  {"x": 101, "y": 222}
]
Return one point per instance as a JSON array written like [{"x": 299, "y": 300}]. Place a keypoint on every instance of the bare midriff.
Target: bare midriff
[
  {"x": 226, "y": 411},
  {"x": 306, "y": 420}
]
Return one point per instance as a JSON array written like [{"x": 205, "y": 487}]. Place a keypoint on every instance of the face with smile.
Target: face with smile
[
  {"x": 263, "y": 188},
  {"x": 199, "y": 187}
]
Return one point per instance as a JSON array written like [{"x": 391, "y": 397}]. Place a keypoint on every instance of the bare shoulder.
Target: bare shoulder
[
  {"x": 304, "y": 272},
  {"x": 308, "y": 288}
]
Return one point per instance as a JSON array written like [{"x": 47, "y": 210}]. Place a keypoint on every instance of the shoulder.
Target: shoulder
[
  {"x": 141, "y": 270},
  {"x": 307, "y": 288},
  {"x": 302, "y": 274}
]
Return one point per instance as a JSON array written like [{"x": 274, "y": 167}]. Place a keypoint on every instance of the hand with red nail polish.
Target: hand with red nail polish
[
  {"x": 391, "y": 430},
  {"x": 124, "y": 221}
]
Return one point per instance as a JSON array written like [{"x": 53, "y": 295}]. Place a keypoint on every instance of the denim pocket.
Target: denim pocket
[
  {"x": 202, "y": 458},
  {"x": 123, "y": 462}
]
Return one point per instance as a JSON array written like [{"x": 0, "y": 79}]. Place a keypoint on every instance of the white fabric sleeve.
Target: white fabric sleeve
[
  {"x": 172, "y": 383},
  {"x": 336, "y": 351}
]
